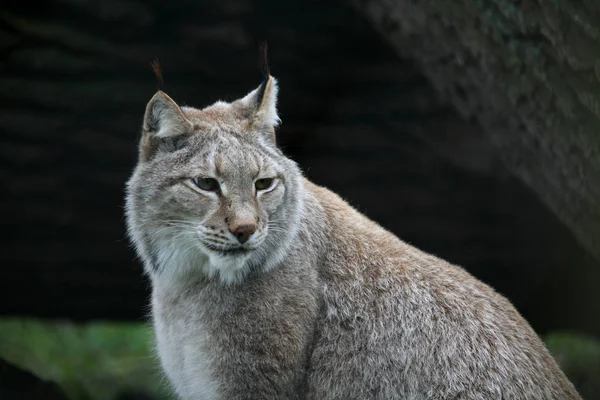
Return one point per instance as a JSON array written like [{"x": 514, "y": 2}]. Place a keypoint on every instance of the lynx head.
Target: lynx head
[{"x": 212, "y": 194}]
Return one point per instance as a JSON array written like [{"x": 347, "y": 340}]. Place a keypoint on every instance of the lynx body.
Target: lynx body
[{"x": 266, "y": 286}]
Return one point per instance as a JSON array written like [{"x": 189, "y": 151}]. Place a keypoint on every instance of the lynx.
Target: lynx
[{"x": 267, "y": 286}]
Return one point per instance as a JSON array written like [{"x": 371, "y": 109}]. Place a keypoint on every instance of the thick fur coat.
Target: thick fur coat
[{"x": 312, "y": 300}]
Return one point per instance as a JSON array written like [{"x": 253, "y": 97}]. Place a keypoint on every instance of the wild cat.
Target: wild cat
[{"x": 267, "y": 286}]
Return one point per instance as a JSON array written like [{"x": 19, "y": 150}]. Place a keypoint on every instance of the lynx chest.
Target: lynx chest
[{"x": 183, "y": 343}]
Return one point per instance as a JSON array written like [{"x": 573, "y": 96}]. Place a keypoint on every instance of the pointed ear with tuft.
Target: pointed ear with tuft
[
  {"x": 261, "y": 104},
  {"x": 164, "y": 126}
]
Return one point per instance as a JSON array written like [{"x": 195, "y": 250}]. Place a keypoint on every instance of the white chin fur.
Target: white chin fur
[
  {"x": 230, "y": 269},
  {"x": 177, "y": 261}
]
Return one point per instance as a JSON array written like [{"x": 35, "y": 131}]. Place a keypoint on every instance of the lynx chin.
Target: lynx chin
[{"x": 267, "y": 286}]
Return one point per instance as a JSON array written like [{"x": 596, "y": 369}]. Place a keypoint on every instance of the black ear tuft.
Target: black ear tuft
[
  {"x": 265, "y": 68},
  {"x": 264, "y": 60},
  {"x": 260, "y": 105},
  {"x": 158, "y": 73}
]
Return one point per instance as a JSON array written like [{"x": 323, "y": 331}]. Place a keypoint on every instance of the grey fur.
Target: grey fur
[{"x": 327, "y": 304}]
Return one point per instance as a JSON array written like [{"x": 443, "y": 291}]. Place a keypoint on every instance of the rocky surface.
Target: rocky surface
[{"x": 529, "y": 73}]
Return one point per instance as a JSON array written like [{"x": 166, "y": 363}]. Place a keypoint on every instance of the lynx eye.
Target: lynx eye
[
  {"x": 264, "y": 184},
  {"x": 208, "y": 184}
]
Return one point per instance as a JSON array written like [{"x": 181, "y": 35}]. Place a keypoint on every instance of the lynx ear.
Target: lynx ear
[
  {"x": 262, "y": 106},
  {"x": 164, "y": 125}
]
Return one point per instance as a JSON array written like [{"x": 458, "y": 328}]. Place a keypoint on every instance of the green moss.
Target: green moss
[
  {"x": 579, "y": 357},
  {"x": 96, "y": 361}
]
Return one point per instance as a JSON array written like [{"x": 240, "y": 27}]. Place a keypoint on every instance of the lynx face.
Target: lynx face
[{"x": 211, "y": 191}]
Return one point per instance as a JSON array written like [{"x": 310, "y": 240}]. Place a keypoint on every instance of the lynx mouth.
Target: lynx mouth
[{"x": 227, "y": 251}]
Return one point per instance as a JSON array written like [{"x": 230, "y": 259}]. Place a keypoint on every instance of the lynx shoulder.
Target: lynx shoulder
[{"x": 267, "y": 286}]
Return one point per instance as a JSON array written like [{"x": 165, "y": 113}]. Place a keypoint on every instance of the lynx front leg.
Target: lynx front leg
[{"x": 234, "y": 342}]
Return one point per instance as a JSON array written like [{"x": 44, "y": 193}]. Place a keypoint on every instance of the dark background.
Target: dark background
[{"x": 400, "y": 107}]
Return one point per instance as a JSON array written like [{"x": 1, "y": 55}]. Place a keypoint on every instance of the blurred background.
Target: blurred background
[{"x": 469, "y": 129}]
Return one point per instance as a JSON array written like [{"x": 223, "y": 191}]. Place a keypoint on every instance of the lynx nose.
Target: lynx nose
[{"x": 243, "y": 232}]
